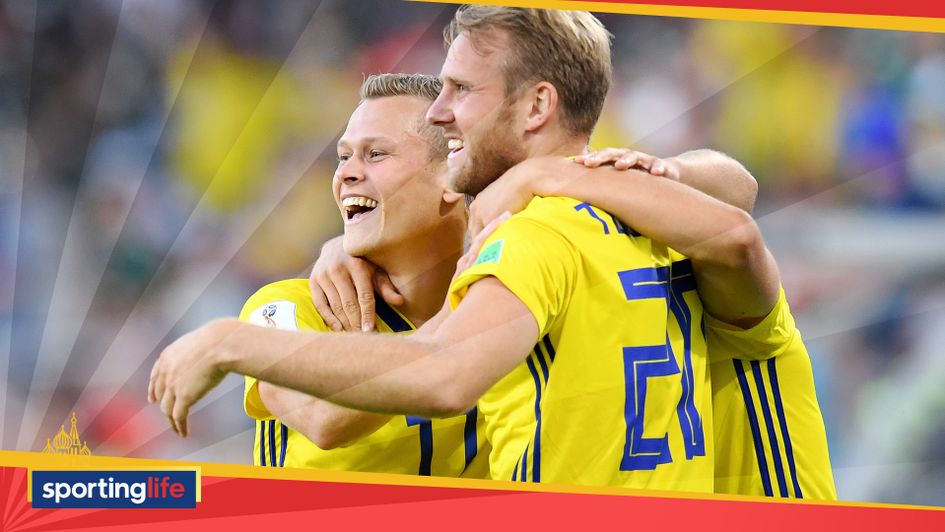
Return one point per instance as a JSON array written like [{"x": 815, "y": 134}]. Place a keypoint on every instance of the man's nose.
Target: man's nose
[
  {"x": 350, "y": 172},
  {"x": 439, "y": 112}
]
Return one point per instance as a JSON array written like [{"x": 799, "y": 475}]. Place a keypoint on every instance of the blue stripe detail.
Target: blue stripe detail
[
  {"x": 471, "y": 446},
  {"x": 285, "y": 445},
  {"x": 525, "y": 465},
  {"x": 618, "y": 224},
  {"x": 682, "y": 268},
  {"x": 515, "y": 472},
  {"x": 782, "y": 419},
  {"x": 549, "y": 348},
  {"x": 261, "y": 435},
  {"x": 536, "y": 454},
  {"x": 426, "y": 443},
  {"x": 541, "y": 362},
  {"x": 590, "y": 210},
  {"x": 772, "y": 436},
  {"x": 755, "y": 431},
  {"x": 272, "y": 443},
  {"x": 390, "y": 316}
]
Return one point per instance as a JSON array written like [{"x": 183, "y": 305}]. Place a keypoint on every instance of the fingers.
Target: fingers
[
  {"x": 658, "y": 167},
  {"x": 475, "y": 224},
  {"x": 628, "y": 160},
  {"x": 318, "y": 284},
  {"x": 322, "y": 306},
  {"x": 624, "y": 159},
  {"x": 604, "y": 156},
  {"x": 364, "y": 288},
  {"x": 176, "y": 409},
  {"x": 180, "y": 413},
  {"x": 167, "y": 407},
  {"x": 385, "y": 287},
  {"x": 156, "y": 386},
  {"x": 482, "y": 224},
  {"x": 151, "y": 396},
  {"x": 334, "y": 303},
  {"x": 489, "y": 229},
  {"x": 476, "y": 217},
  {"x": 475, "y": 245},
  {"x": 350, "y": 307}
]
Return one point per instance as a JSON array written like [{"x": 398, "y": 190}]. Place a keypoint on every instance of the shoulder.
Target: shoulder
[
  {"x": 283, "y": 304},
  {"x": 546, "y": 210},
  {"x": 768, "y": 338},
  {"x": 535, "y": 233}
]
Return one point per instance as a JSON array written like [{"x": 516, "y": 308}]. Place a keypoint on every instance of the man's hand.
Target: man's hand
[
  {"x": 343, "y": 289},
  {"x": 475, "y": 245},
  {"x": 511, "y": 193},
  {"x": 188, "y": 369},
  {"x": 627, "y": 159}
]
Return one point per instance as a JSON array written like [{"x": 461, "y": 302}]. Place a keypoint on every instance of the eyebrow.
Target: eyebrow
[
  {"x": 366, "y": 140},
  {"x": 454, "y": 81}
]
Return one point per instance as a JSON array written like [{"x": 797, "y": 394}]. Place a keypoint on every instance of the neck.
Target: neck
[
  {"x": 563, "y": 145},
  {"x": 421, "y": 271}
]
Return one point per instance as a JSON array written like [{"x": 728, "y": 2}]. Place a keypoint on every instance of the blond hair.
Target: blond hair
[
  {"x": 416, "y": 85},
  {"x": 569, "y": 49}
]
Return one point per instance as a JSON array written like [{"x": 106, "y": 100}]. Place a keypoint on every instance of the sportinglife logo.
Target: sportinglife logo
[{"x": 115, "y": 489}]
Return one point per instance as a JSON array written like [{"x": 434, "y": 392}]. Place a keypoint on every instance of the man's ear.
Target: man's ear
[
  {"x": 451, "y": 197},
  {"x": 543, "y": 103}
]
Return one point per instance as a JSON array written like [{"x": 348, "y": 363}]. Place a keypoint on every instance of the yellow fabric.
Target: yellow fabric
[
  {"x": 773, "y": 443},
  {"x": 559, "y": 417},
  {"x": 394, "y": 448}
]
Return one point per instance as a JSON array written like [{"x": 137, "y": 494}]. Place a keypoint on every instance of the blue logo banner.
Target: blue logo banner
[{"x": 115, "y": 489}]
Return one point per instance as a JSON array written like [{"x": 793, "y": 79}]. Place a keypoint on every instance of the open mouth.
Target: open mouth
[
  {"x": 455, "y": 146},
  {"x": 357, "y": 207}
]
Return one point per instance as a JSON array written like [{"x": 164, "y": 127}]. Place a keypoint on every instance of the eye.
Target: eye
[
  {"x": 376, "y": 154},
  {"x": 342, "y": 157},
  {"x": 462, "y": 87}
]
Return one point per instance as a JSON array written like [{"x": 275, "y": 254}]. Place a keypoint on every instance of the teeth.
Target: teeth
[
  {"x": 454, "y": 144},
  {"x": 359, "y": 201}
]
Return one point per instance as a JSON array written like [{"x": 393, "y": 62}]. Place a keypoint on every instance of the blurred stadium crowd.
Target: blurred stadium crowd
[{"x": 159, "y": 161}]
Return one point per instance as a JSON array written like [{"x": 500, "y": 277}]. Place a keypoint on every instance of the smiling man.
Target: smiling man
[
  {"x": 592, "y": 330},
  {"x": 390, "y": 189}
]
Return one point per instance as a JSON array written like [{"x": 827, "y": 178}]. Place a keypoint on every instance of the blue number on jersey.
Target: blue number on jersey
[
  {"x": 621, "y": 230},
  {"x": 641, "y": 363}
]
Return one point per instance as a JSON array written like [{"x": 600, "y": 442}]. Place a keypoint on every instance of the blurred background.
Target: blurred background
[{"x": 160, "y": 161}]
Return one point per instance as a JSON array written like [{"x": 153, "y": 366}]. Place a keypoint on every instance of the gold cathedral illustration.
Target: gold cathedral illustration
[{"x": 67, "y": 443}]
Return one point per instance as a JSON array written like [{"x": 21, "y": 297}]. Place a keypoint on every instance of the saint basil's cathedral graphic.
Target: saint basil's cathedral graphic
[{"x": 67, "y": 443}]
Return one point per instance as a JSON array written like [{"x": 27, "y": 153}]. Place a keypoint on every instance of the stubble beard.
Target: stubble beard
[{"x": 498, "y": 151}]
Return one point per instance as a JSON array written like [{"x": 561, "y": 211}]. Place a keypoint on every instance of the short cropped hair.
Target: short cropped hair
[
  {"x": 416, "y": 85},
  {"x": 569, "y": 49}
]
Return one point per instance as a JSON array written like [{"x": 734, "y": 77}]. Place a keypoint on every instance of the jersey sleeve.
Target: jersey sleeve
[
  {"x": 765, "y": 340},
  {"x": 535, "y": 262},
  {"x": 283, "y": 305}
]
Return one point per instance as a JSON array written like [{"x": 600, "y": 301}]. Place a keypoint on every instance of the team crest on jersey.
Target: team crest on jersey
[
  {"x": 491, "y": 253},
  {"x": 278, "y": 315},
  {"x": 268, "y": 313}
]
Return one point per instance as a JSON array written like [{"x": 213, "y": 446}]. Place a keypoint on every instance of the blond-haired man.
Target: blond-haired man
[
  {"x": 591, "y": 327},
  {"x": 391, "y": 193}
]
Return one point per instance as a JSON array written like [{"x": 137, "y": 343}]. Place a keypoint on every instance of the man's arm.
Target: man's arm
[
  {"x": 737, "y": 277},
  {"x": 326, "y": 424},
  {"x": 436, "y": 372},
  {"x": 705, "y": 170},
  {"x": 719, "y": 176}
]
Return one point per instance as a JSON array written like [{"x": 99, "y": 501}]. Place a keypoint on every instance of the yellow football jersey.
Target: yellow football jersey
[
  {"x": 769, "y": 433},
  {"x": 406, "y": 444},
  {"x": 616, "y": 391}
]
